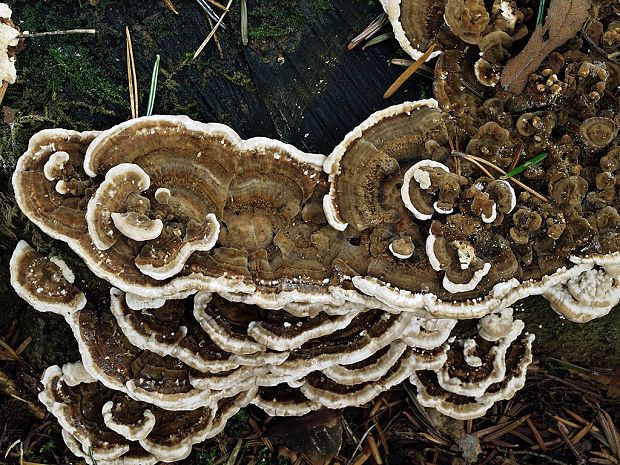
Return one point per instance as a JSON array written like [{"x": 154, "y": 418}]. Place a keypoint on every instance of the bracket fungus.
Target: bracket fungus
[
  {"x": 248, "y": 272},
  {"x": 9, "y": 45}
]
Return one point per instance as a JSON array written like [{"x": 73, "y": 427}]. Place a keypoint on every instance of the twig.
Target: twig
[
  {"x": 27, "y": 34},
  {"x": 374, "y": 27},
  {"x": 131, "y": 76},
  {"x": 408, "y": 72},
  {"x": 206, "y": 41}
]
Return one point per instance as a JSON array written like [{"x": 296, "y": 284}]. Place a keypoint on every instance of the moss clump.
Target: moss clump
[
  {"x": 274, "y": 20},
  {"x": 60, "y": 78},
  {"x": 322, "y": 7}
]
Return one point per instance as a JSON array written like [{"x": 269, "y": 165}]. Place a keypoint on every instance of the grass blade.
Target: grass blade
[
  {"x": 378, "y": 40},
  {"x": 535, "y": 160},
  {"x": 540, "y": 17},
  {"x": 244, "y": 22},
  {"x": 149, "y": 110}
]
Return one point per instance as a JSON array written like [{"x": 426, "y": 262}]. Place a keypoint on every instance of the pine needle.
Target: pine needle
[
  {"x": 498, "y": 169},
  {"x": 374, "y": 27},
  {"x": 3, "y": 88},
  {"x": 208, "y": 38},
  {"x": 171, "y": 6},
  {"x": 149, "y": 110},
  {"x": 378, "y": 40},
  {"x": 408, "y": 72},
  {"x": 244, "y": 22},
  {"x": 131, "y": 76}
]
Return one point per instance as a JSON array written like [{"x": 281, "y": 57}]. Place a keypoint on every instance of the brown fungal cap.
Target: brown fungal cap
[
  {"x": 415, "y": 24},
  {"x": 477, "y": 373},
  {"x": 46, "y": 284},
  {"x": 113, "y": 428},
  {"x": 467, "y": 19},
  {"x": 9, "y": 41},
  {"x": 598, "y": 132}
]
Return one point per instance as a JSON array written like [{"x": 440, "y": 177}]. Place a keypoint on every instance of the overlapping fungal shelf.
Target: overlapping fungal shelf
[{"x": 248, "y": 272}]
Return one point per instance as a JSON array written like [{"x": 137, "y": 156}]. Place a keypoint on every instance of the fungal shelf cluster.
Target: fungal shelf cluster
[{"x": 248, "y": 272}]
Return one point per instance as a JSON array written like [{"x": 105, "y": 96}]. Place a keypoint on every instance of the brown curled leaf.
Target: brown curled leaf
[{"x": 564, "y": 19}]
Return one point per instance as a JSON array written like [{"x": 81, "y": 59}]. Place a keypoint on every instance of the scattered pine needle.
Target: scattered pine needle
[
  {"x": 378, "y": 40},
  {"x": 209, "y": 11},
  {"x": 5, "y": 86},
  {"x": 540, "y": 17},
  {"x": 131, "y": 76},
  {"x": 244, "y": 22},
  {"x": 171, "y": 6},
  {"x": 232, "y": 459},
  {"x": 374, "y": 27},
  {"x": 208, "y": 38},
  {"x": 408, "y": 72},
  {"x": 374, "y": 450},
  {"x": 497, "y": 168},
  {"x": 216, "y": 39},
  {"x": 536, "y": 435},
  {"x": 153, "y": 91},
  {"x": 218, "y": 5}
]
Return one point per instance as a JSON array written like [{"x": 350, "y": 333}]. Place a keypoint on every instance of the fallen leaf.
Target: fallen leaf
[{"x": 564, "y": 19}]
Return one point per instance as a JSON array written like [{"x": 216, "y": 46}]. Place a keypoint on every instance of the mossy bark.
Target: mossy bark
[{"x": 295, "y": 82}]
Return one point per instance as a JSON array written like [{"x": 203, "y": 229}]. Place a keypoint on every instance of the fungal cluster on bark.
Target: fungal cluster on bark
[
  {"x": 9, "y": 46},
  {"x": 248, "y": 272}
]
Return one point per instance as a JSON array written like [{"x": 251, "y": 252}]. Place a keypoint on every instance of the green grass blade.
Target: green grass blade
[
  {"x": 540, "y": 17},
  {"x": 378, "y": 40},
  {"x": 244, "y": 22},
  {"x": 535, "y": 160},
  {"x": 149, "y": 110}
]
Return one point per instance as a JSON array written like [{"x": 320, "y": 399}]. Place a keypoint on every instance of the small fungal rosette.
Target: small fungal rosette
[
  {"x": 9, "y": 45},
  {"x": 104, "y": 426},
  {"x": 479, "y": 371}
]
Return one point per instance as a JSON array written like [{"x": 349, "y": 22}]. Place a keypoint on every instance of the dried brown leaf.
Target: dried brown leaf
[{"x": 564, "y": 19}]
